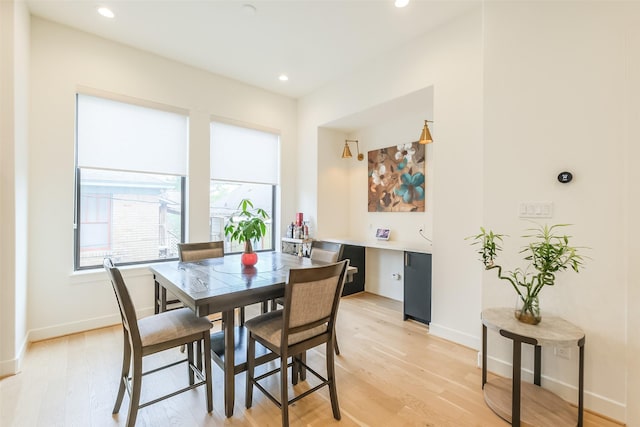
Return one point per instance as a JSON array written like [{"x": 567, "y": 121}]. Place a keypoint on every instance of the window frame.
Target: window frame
[
  {"x": 78, "y": 226},
  {"x": 274, "y": 191},
  {"x": 77, "y": 211}
]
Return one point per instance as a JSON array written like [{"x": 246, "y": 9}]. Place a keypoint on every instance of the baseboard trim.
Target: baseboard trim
[
  {"x": 593, "y": 402},
  {"x": 9, "y": 367},
  {"x": 80, "y": 326},
  {"x": 14, "y": 366},
  {"x": 449, "y": 334}
]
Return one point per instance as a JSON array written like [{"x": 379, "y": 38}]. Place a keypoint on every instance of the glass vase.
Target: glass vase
[
  {"x": 528, "y": 310},
  {"x": 249, "y": 260}
]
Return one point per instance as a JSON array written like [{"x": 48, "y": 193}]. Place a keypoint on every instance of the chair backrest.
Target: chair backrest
[
  {"x": 125, "y": 304},
  {"x": 326, "y": 251},
  {"x": 188, "y": 252},
  {"x": 312, "y": 296}
]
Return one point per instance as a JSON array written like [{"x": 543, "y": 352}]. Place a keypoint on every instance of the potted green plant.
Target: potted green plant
[
  {"x": 247, "y": 225},
  {"x": 548, "y": 253}
]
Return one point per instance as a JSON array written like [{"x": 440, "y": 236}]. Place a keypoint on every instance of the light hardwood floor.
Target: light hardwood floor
[{"x": 390, "y": 373}]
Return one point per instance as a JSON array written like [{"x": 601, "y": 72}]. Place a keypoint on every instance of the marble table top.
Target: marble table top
[{"x": 551, "y": 330}]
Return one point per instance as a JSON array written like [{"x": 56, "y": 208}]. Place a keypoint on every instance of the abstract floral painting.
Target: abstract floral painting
[{"x": 397, "y": 178}]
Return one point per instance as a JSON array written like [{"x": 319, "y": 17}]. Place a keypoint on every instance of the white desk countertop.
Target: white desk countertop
[{"x": 391, "y": 245}]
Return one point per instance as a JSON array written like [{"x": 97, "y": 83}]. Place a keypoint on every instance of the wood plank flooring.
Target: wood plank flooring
[{"x": 390, "y": 373}]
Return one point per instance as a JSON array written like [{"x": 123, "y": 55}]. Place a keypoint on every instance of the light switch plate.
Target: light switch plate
[{"x": 535, "y": 210}]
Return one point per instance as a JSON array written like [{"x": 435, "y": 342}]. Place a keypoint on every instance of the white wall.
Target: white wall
[
  {"x": 633, "y": 230},
  {"x": 332, "y": 217},
  {"x": 393, "y": 127},
  {"x": 14, "y": 78},
  {"x": 522, "y": 91},
  {"x": 64, "y": 60},
  {"x": 556, "y": 98},
  {"x": 448, "y": 61}
]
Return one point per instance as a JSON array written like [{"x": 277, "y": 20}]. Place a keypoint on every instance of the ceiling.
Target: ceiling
[{"x": 312, "y": 41}]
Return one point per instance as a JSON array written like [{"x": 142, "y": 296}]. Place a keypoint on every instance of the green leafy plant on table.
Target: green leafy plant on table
[
  {"x": 247, "y": 225},
  {"x": 548, "y": 253}
]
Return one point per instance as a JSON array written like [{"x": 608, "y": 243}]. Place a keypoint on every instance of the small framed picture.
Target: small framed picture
[{"x": 382, "y": 234}]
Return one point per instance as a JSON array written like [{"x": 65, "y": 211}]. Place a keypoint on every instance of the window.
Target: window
[
  {"x": 244, "y": 165},
  {"x": 96, "y": 220},
  {"x": 130, "y": 182}
]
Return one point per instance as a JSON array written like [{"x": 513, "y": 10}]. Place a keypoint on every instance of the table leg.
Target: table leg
[
  {"x": 229, "y": 362},
  {"x": 156, "y": 295},
  {"x": 484, "y": 355},
  {"x": 537, "y": 364},
  {"x": 515, "y": 386},
  {"x": 163, "y": 299},
  {"x": 581, "y": 384}
]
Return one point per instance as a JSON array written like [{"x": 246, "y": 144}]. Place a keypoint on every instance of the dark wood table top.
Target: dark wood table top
[{"x": 222, "y": 284}]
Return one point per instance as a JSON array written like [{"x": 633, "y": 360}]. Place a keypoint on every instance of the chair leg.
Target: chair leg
[
  {"x": 190, "y": 359},
  {"x": 251, "y": 354},
  {"x": 124, "y": 375},
  {"x": 284, "y": 390},
  {"x": 163, "y": 299},
  {"x": 303, "y": 371},
  {"x": 331, "y": 377},
  {"x": 295, "y": 369},
  {"x": 156, "y": 297},
  {"x": 199, "y": 354},
  {"x": 207, "y": 369},
  {"x": 335, "y": 344},
  {"x": 242, "y": 317},
  {"x": 135, "y": 390}
]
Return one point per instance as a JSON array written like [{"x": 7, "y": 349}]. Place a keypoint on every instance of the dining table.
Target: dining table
[{"x": 220, "y": 285}]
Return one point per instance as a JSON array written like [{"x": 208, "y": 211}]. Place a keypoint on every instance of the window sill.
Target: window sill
[{"x": 98, "y": 275}]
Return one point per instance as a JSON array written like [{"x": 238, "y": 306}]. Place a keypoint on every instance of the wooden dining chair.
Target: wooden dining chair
[
  {"x": 312, "y": 296},
  {"x": 325, "y": 252},
  {"x": 143, "y": 337},
  {"x": 186, "y": 252},
  {"x": 164, "y": 301}
]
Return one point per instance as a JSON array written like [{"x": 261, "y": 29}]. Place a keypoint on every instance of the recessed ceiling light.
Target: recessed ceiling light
[
  {"x": 283, "y": 77},
  {"x": 106, "y": 12},
  {"x": 401, "y": 3}
]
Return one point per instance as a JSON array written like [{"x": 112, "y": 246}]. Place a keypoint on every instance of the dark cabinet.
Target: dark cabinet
[
  {"x": 417, "y": 286},
  {"x": 356, "y": 257}
]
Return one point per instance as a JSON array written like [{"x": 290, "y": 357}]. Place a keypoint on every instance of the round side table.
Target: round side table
[{"x": 541, "y": 407}]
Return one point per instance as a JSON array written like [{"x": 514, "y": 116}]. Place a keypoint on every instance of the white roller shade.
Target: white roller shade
[
  {"x": 116, "y": 135},
  {"x": 243, "y": 155}
]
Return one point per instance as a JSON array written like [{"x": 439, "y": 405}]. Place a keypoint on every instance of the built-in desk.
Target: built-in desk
[
  {"x": 391, "y": 245},
  {"x": 417, "y": 273}
]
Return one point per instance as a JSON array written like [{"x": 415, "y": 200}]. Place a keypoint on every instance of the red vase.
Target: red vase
[{"x": 249, "y": 259}]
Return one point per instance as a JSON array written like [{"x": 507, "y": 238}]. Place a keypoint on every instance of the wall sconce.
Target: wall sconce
[
  {"x": 425, "y": 136},
  {"x": 346, "y": 152}
]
